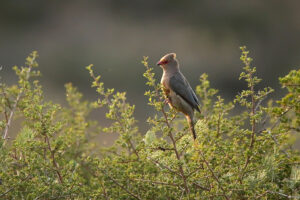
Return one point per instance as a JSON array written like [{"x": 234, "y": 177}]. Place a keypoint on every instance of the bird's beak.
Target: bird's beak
[{"x": 159, "y": 63}]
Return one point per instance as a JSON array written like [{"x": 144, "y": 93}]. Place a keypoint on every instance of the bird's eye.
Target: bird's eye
[{"x": 164, "y": 62}]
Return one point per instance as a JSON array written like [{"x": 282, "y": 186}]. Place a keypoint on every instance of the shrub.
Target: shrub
[{"x": 239, "y": 153}]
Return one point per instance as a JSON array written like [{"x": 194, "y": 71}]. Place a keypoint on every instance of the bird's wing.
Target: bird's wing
[
  {"x": 195, "y": 96},
  {"x": 181, "y": 87}
]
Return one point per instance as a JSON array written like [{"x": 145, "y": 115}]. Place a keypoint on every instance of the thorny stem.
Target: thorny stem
[
  {"x": 172, "y": 139},
  {"x": 129, "y": 141},
  {"x": 194, "y": 171},
  {"x": 274, "y": 125},
  {"x": 253, "y": 111},
  {"x": 117, "y": 118},
  {"x": 163, "y": 166},
  {"x": 219, "y": 123},
  {"x": 176, "y": 151},
  {"x": 7, "y": 100},
  {"x": 12, "y": 112},
  {"x": 278, "y": 193},
  {"x": 157, "y": 182},
  {"x": 104, "y": 191},
  {"x": 201, "y": 187},
  {"x": 121, "y": 186},
  {"x": 214, "y": 175},
  {"x": 253, "y": 127},
  {"x": 53, "y": 159},
  {"x": 124, "y": 131},
  {"x": 13, "y": 187},
  {"x": 5, "y": 134}
]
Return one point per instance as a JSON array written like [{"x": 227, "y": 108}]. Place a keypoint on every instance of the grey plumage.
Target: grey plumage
[
  {"x": 177, "y": 89},
  {"x": 180, "y": 85}
]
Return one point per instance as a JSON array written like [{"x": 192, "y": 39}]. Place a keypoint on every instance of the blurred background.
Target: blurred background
[{"x": 114, "y": 35}]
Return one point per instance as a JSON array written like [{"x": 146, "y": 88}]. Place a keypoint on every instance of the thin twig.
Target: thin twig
[
  {"x": 213, "y": 175},
  {"x": 163, "y": 149},
  {"x": 5, "y": 134},
  {"x": 253, "y": 111},
  {"x": 7, "y": 100},
  {"x": 53, "y": 159},
  {"x": 194, "y": 171},
  {"x": 118, "y": 119},
  {"x": 273, "y": 126},
  {"x": 201, "y": 187},
  {"x": 13, "y": 187},
  {"x": 218, "y": 126},
  {"x": 277, "y": 121},
  {"x": 176, "y": 152},
  {"x": 8, "y": 124},
  {"x": 163, "y": 166},
  {"x": 157, "y": 182},
  {"x": 173, "y": 141},
  {"x": 156, "y": 89},
  {"x": 284, "y": 195},
  {"x": 104, "y": 192},
  {"x": 259, "y": 102},
  {"x": 253, "y": 127},
  {"x": 179, "y": 138},
  {"x": 121, "y": 186}
]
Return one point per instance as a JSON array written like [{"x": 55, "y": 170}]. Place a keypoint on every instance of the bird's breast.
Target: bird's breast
[{"x": 178, "y": 103}]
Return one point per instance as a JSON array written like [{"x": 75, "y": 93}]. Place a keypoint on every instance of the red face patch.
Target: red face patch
[{"x": 163, "y": 62}]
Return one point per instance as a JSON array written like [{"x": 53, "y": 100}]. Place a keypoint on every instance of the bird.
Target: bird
[{"x": 178, "y": 92}]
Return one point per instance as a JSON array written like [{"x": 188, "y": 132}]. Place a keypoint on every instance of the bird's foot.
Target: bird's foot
[{"x": 166, "y": 101}]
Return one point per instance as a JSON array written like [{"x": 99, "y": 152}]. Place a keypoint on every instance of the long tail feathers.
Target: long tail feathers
[{"x": 191, "y": 125}]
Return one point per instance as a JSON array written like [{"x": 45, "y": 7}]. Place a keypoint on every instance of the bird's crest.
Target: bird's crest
[
  {"x": 173, "y": 55},
  {"x": 169, "y": 56}
]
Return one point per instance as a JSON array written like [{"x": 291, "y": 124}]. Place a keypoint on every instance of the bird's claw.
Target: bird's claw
[{"x": 166, "y": 101}]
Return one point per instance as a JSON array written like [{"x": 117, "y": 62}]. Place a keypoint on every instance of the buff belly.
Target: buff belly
[{"x": 178, "y": 103}]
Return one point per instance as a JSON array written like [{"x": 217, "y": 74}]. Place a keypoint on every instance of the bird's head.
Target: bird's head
[{"x": 168, "y": 62}]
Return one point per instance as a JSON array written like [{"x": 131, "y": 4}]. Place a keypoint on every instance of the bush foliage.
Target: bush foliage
[{"x": 240, "y": 153}]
